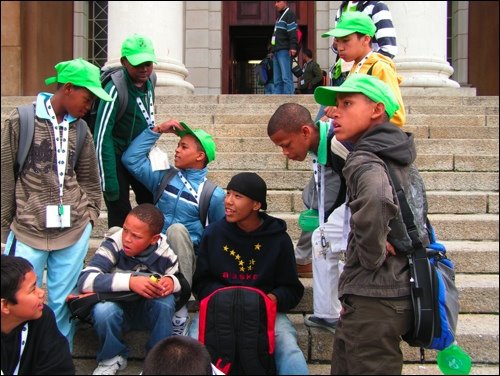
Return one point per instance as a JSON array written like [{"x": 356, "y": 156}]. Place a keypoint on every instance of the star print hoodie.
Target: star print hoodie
[{"x": 264, "y": 259}]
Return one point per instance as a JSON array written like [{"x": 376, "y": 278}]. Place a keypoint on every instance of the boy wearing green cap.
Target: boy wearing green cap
[
  {"x": 353, "y": 39},
  {"x": 49, "y": 207},
  {"x": 180, "y": 199},
  {"x": 112, "y": 137},
  {"x": 374, "y": 287}
]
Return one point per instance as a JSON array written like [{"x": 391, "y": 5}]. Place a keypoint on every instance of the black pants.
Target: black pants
[{"x": 118, "y": 210}]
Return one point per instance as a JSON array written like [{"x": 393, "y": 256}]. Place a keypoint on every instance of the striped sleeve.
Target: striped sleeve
[
  {"x": 100, "y": 274},
  {"x": 385, "y": 36}
]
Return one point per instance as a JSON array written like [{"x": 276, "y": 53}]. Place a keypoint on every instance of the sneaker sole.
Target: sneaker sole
[{"x": 312, "y": 324}]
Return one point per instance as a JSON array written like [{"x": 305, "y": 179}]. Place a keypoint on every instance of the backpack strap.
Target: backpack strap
[
  {"x": 163, "y": 184},
  {"x": 81, "y": 134},
  {"x": 205, "y": 197},
  {"x": 120, "y": 82},
  {"x": 26, "y": 132},
  {"x": 370, "y": 71}
]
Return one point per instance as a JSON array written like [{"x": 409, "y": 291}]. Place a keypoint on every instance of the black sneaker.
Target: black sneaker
[{"x": 317, "y": 322}]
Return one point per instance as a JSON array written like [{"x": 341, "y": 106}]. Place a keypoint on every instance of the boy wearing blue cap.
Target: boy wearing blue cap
[
  {"x": 49, "y": 207},
  {"x": 374, "y": 287},
  {"x": 181, "y": 197},
  {"x": 112, "y": 136}
]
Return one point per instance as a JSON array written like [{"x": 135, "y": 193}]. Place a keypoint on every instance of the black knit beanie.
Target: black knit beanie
[{"x": 251, "y": 185}]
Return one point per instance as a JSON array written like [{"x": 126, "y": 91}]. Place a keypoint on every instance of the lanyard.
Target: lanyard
[
  {"x": 24, "y": 336},
  {"x": 61, "y": 143},
  {"x": 150, "y": 118},
  {"x": 360, "y": 64},
  {"x": 283, "y": 15},
  {"x": 190, "y": 188},
  {"x": 319, "y": 179}
]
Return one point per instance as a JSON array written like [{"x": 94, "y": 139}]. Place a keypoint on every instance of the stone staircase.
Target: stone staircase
[{"x": 457, "y": 143}]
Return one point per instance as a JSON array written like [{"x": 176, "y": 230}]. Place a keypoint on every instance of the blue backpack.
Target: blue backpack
[
  {"x": 264, "y": 71},
  {"x": 432, "y": 281}
]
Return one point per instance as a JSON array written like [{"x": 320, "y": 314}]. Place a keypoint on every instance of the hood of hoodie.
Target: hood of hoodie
[
  {"x": 388, "y": 142},
  {"x": 271, "y": 226}
]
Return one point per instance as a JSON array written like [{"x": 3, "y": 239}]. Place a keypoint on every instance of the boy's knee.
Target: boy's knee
[{"x": 104, "y": 310}]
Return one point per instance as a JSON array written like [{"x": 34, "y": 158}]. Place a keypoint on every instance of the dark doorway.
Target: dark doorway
[
  {"x": 247, "y": 27},
  {"x": 249, "y": 44}
]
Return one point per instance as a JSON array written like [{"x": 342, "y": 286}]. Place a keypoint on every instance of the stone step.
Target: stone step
[
  {"x": 439, "y": 202},
  {"x": 85, "y": 366},
  {"x": 473, "y": 257},
  {"x": 448, "y": 226},
  {"x": 226, "y": 144},
  {"x": 476, "y": 334},
  {"x": 478, "y": 293}
]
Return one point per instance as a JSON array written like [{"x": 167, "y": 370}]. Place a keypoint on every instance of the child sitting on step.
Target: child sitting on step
[{"x": 135, "y": 258}]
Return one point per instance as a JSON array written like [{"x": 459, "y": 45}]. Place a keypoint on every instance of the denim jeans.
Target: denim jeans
[
  {"x": 282, "y": 76},
  {"x": 288, "y": 355},
  {"x": 63, "y": 267},
  {"x": 269, "y": 88},
  {"x": 112, "y": 319}
]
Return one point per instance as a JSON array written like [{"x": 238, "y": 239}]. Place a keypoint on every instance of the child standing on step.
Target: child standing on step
[
  {"x": 126, "y": 261},
  {"x": 51, "y": 205},
  {"x": 112, "y": 136},
  {"x": 181, "y": 196},
  {"x": 31, "y": 342},
  {"x": 374, "y": 286}
]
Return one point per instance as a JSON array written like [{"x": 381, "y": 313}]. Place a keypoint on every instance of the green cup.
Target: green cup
[
  {"x": 309, "y": 220},
  {"x": 454, "y": 361}
]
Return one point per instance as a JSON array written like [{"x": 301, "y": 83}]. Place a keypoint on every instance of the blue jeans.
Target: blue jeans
[
  {"x": 282, "y": 76},
  {"x": 288, "y": 355},
  {"x": 269, "y": 88},
  {"x": 112, "y": 319},
  {"x": 63, "y": 267}
]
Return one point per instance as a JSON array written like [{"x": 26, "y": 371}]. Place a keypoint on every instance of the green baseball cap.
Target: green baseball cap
[
  {"x": 205, "y": 139},
  {"x": 80, "y": 73},
  {"x": 352, "y": 22},
  {"x": 138, "y": 49},
  {"x": 371, "y": 86}
]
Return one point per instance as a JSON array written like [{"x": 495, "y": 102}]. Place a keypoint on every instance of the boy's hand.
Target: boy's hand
[
  {"x": 146, "y": 288},
  {"x": 329, "y": 112},
  {"x": 169, "y": 126},
  {"x": 168, "y": 285}
]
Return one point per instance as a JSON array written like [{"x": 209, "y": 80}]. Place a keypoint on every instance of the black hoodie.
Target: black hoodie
[{"x": 264, "y": 259}]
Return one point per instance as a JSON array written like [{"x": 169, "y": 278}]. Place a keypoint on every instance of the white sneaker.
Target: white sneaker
[
  {"x": 179, "y": 325},
  {"x": 110, "y": 366}
]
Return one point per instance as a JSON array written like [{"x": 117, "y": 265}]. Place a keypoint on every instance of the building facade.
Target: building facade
[{"x": 211, "y": 47}]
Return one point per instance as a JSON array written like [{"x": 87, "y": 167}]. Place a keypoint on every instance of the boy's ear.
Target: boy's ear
[
  {"x": 5, "y": 307},
  {"x": 379, "y": 110},
  {"x": 257, "y": 205},
  {"x": 155, "y": 239}
]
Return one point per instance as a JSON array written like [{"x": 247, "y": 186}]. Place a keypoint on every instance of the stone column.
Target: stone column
[
  {"x": 163, "y": 22},
  {"x": 421, "y": 36}
]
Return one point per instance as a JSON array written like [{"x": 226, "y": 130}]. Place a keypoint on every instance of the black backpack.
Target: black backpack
[
  {"x": 116, "y": 74},
  {"x": 237, "y": 327}
]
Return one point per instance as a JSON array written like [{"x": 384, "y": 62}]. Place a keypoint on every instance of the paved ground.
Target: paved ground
[{"x": 86, "y": 367}]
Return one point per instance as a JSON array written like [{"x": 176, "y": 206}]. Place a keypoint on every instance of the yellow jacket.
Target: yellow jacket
[{"x": 383, "y": 67}]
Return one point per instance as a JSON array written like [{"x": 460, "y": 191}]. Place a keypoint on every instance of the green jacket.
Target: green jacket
[
  {"x": 312, "y": 76},
  {"x": 112, "y": 139}
]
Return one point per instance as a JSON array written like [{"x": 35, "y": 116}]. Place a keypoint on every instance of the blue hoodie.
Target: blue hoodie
[{"x": 176, "y": 203}]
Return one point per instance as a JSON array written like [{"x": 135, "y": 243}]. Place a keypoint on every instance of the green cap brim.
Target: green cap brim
[{"x": 140, "y": 58}]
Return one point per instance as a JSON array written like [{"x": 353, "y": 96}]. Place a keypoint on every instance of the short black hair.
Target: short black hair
[
  {"x": 308, "y": 53},
  {"x": 150, "y": 214},
  {"x": 178, "y": 355},
  {"x": 13, "y": 272},
  {"x": 289, "y": 117}
]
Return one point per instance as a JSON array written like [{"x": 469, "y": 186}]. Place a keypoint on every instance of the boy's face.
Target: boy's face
[
  {"x": 138, "y": 73},
  {"x": 294, "y": 145},
  {"x": 353, "y": 115},
  {"x": 137, "y": 236},
  {"x": 187, "y": 154},
  {"x": 352, "y": 47},
  {"x": 30, "y": 300},
  {"x": 77, "y": 100},
  {"x": 239, "y": 207}
]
